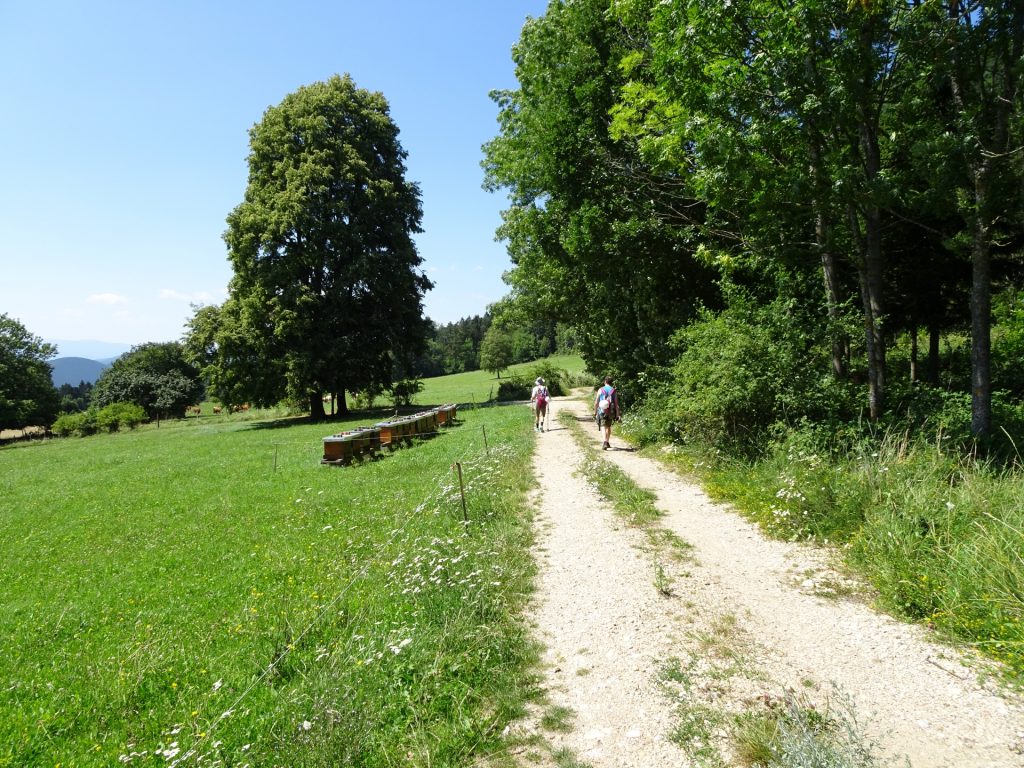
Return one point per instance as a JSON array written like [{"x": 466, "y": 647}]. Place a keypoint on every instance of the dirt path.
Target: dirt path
[{"x": 746, "y": 620}]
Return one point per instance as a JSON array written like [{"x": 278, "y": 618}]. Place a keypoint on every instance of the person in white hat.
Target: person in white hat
[{"x": 539, "y": 397}]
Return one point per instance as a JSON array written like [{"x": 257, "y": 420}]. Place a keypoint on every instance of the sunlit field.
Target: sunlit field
[
  {"x": 207, "y": 591},
  {"x": 481, "y": 386}
]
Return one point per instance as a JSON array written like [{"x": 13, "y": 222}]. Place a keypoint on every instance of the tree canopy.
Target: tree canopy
[
  {"x": 27, "y": 395},
  {"x": 327, "y": 292}
]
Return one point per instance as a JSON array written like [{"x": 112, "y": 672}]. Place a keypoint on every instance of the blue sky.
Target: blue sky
[{"x": 125, "y": 135}]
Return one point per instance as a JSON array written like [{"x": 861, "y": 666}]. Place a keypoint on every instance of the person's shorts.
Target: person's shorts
[{"x": 604, "y": 419}]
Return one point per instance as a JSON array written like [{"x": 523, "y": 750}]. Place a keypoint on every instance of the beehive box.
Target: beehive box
[
  {"x": 346, "y": 446},
  {"x": 390, "y": 434},
  {"x": 446, "y": 415}
]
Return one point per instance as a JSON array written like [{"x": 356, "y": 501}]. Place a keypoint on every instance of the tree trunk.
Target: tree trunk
[
  {"x": 865, "y": 217},
  {"x": 342, "y": 404},
  {"x": 981, "y": 322},
  {"x": 933, "y": 353},
  {"x": 913, "y": 353},
  {"x": 986, "y": 116},
  {"x": 839, "y": 346},
  {"x": 316, "y": 407},
  {"x": 823, "y": 240},
  {"x": 869, "y": 272}
]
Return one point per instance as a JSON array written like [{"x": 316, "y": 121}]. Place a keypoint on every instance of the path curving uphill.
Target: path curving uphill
[{"x": 611, "y": 635}]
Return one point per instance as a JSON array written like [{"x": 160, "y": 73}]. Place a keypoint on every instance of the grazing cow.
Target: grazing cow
[{"x": 216, "y": 409}]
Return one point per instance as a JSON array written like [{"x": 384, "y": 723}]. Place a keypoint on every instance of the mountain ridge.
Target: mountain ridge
[{"x": 75, "y": 370}]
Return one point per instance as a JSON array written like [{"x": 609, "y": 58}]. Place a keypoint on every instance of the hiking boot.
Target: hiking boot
[{"x": 606, "y": 446}]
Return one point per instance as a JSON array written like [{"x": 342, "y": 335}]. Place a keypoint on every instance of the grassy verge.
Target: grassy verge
[{"x": 206, "y": 591}]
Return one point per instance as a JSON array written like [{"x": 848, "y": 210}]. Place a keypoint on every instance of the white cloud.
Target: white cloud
[
  {"x": 199, "y": 297},
  {"x": 107, "y": 298}
]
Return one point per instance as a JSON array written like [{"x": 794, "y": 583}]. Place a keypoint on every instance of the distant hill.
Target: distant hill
[
  {"x": 92, "y": 350},
  {"x": 74, "y": 370}
]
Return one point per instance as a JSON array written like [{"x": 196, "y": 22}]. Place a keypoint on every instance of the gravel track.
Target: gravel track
[{"x": 747, "y": 620}]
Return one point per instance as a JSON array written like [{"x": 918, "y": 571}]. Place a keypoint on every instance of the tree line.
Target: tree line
[
  {"x": 164, "y": 379},
  {"x": 845, "y": 175}
]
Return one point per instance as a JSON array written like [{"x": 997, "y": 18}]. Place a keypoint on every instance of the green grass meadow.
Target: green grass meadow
[
  {"x": 481, "y": 386},
  {"x": 206, "y": 591}
]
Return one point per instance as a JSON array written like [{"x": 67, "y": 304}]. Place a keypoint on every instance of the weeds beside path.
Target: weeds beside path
[{"x": 651, "y": 657}]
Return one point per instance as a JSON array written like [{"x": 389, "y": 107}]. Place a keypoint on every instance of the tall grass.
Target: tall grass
[
  {"x": 943, "y": 540},
  {"x": 207, "y": 591},
  {"x": 792, "y": 733}
]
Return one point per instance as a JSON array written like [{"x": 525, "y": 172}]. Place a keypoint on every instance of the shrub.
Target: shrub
[
  {"x": 571, "y": 380},
  {"x": 367, "y": 398},
  {"x": 744, "y": 375},
  {"x": 792, "y": 732},
  {"x": 516, "y": 387},
  {"x": 1008, "y": 341},
  {"x": 77, "y": 424},
  {"x": 402, "y": 392},
  {"x": 116, "y": 416},
  {"x": 553, "y": 378}
]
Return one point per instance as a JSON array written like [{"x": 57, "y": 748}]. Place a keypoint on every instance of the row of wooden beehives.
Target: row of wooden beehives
[{"x": 343, "y": 447}]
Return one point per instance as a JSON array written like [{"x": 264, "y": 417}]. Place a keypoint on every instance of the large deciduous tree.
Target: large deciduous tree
[
  {"x": 326, "y": 294},
  {"x": 27, "y": 395}
]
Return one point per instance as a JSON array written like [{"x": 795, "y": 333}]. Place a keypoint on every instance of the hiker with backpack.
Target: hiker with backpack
[
  {"x": 539, "y": 397},
  {"x": 606, "y": 409}
]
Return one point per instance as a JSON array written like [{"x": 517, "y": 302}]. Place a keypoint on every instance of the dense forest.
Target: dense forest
[
  {"x": 456, "y": 347},
  {"x": 759, "y": 213}
]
